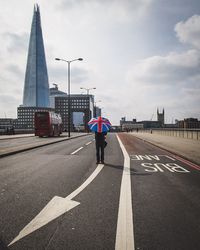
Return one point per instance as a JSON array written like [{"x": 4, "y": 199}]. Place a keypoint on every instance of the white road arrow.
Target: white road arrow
[{"x": 55, "y": 208}]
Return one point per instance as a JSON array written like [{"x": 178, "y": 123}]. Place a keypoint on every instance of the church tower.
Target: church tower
[
  {"x": 36, "y": 86},
  {"x": 161, "y": 117}
]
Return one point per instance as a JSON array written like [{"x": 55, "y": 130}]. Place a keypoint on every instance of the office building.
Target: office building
[
  {"x": 189, "y": 123},
  {"x": 55, "y": 92},
  {"x": 25, "y": 117},
  {"x": 82, "y": 110}
]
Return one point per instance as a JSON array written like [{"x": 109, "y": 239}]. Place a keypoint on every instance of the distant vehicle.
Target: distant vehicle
[{"x": 48, "y": 123}]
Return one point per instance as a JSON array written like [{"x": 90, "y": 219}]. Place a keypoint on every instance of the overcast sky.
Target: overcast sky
[{"x": 139, "y": 54}]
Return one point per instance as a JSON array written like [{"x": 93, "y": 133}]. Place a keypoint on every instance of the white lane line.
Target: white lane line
[
  {"x": 76, "y": 151},
  {"x": 125, "y": 234},
  {"x": 88, "y": 143},
  {"x": 56, "y": 207}
]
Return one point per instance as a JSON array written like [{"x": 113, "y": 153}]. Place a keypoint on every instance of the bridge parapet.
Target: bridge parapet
[{"x": 193, "y": 134}]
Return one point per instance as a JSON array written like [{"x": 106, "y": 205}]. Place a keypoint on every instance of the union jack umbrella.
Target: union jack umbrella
[{"x": 99, "y": 124}]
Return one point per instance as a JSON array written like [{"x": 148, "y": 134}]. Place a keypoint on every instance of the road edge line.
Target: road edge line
[{"x": 125, "y": 233}]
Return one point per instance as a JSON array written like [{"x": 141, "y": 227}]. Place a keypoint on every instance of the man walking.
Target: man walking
[{"x": 100, "y": 144}]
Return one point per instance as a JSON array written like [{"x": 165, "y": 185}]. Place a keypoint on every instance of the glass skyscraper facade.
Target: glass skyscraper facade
[{"x": 36, "y": 86}]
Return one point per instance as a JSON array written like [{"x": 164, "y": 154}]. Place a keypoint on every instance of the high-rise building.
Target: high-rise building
[
  {"x": 38, "y": 97},
  {"x": 36, "y": 86}
]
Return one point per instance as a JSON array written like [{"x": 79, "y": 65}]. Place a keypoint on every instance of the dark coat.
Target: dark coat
[{"x": 100, "y": 138}]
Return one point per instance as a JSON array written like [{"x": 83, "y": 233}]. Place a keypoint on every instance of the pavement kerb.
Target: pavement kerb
[
  {"x": 167, "y": 149},
  {"x": 42, "y": 145},
  {"x": 9, "y": 138}
]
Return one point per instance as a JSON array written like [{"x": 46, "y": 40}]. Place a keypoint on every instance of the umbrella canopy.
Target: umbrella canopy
[{"x": 99, "y": 124}]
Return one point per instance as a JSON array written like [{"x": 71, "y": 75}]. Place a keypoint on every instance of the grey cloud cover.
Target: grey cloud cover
[
  {"x": 188, "y": 31},
  {"x": 16, "y": 42},
  {"x": 140, "y": 55}
]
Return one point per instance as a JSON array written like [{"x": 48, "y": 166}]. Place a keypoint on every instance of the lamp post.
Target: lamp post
[
  {"x": 87, "y": 89},
  {"x": 69, "y": 107}
]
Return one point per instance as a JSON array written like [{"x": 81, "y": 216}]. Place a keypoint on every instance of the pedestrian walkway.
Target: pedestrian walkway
[
  {"x": 16, "y": 136},
  {"x": 5, "y": 137},
  {"x": 187, "y": 148}
]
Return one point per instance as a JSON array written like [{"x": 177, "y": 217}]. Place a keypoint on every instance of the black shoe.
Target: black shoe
[
  {"x": 97, "y": 162},
  {"x": 102, "y": 162}
]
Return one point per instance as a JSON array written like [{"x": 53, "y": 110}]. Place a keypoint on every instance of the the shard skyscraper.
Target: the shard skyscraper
[{"x": 36, "y": 86}]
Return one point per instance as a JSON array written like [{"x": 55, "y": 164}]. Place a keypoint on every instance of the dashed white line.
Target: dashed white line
[
  {"x": 80, "y": 148},
  {"x": 88, "y": 143},
  {"x": 76, "y": 151}
]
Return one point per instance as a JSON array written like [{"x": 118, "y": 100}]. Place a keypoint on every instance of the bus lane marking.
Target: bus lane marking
[
  {"x": 158, "y": 166},
  {"x": 56, "y": 207},
  {"x": 125, "y": 235}
]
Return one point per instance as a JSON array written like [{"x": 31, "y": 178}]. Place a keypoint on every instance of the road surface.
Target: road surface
[{"x": 56, "y": 197}]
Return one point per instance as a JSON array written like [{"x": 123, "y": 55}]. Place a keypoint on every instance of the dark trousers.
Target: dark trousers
[{"x": 100, "y": 152}]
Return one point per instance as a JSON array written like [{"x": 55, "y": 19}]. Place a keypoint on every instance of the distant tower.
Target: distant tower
[
  {"x": 161, "y": 117},
  {"x": 36, "y": 86}
]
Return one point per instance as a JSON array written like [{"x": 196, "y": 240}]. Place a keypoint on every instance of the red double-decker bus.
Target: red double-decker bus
[{"x": 48, "y": 123}]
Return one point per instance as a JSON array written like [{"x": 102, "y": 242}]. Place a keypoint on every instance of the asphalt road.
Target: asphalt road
[
  {"x": 12, "y": 144},
  {"x": 56, "y": 197}
]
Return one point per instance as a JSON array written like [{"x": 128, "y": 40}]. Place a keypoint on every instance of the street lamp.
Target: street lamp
[
  {"x": 69, "y": 108},
  {"x": 87, "y": 89}
]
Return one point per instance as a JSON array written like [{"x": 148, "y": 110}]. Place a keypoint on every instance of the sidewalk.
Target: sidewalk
[
  {"x": 5, "y": 137},
  {"x": 187, "y": 148}
]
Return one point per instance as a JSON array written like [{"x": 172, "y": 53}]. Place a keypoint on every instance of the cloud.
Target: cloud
[
  {"x": 170, "y": 81},
  {"x": 189, "y": 31},
  {"x": 59, "y": 74},
  {"x": 8, "y": 103},
  {"x": 15, "y": 70},
  {"x": 17, "y": 43},
  {"x": 173, "y": 69},
  {"x": 111, "y": 35},
  {"x": 79, "y": 75},
  {"x": 117, "y": 10}
]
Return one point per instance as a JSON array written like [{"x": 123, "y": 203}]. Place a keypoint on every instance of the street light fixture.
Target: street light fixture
[
  {"x": 69, "y": 108},
  {"x": 87, "y": 89}
]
